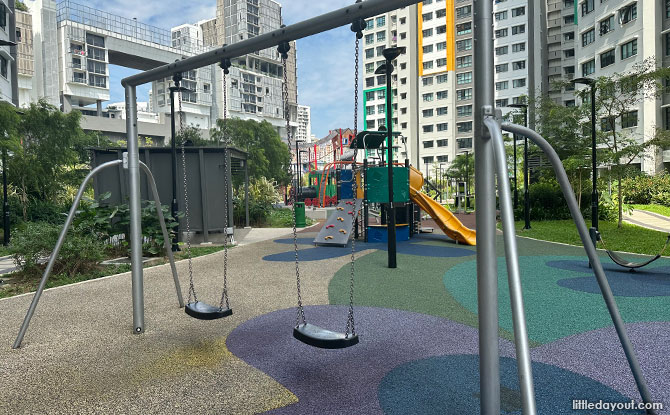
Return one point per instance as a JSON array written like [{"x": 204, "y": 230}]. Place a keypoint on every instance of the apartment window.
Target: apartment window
[
  {"x": 428, "y": 129},
  {"x": 441, "y": 13},
  {"x": 502, "y": 85},
  {"x": 381, "y": 109},
  {"x": 76, "y": 63},
  {"x": 442, "y": 110},
  {"x": 464, "y": 61},
  {"x": 403, "y": 20},
  {"x": 588, "y": 67},
  {"x": 568, "y": 4},
  {"x": 502, "y": 50},
  {"x": 629, "y": 119},
  {"x": 381, "y": 122},
  {"x": 587, "y": 7},
  {"x": 667, "y": 118},
  {"x": 441, "y": 29},
  {"x": 428, "y": 97},
  {"x": 441, "y": 62},
  {"x": 629, "y": 49},
  {"x": 569, "y": 19},
  {"x": 568, "y": 36},
  {"x": 518, "y": 65},
  {"x": 569, "y": 70},
  {"x": 443, "y": 159},
  {"x": 380, "y": 51},
  {"x": 369, "y": 38},
  {"x": 429, "y": 159},
  {"x": 501, "y": 103},
  {"x": 97, "y": 67},
  {"x": 428, "y": 65},
  {"x": 403, "y": 66},
  {"x": 464, "y": 142},
  {"x": 462, "y": 12},
  {"x": 444, "y": 126},
  {"x": 427, "y": 32},
  {"x": 370, "y": 24},
  {"x": 606, "y": 25},
  {"x": 369, "y": 53},
  {"x": 369, "y": 82},
  {"x": 519, "y": 83},
  {"x": 501, "y": 15},
  {"x": 607, "y": 124},
  {"x": 3, "y": 18},
  {"x": 464, "y": 28},
  {"x": 381, "y": 94},
  {"x": 403, "y": 95},
  {"x": 441, "y": 46},
  {"x": 667, "y": 16},
  {"x": 501, "y": 33},
  {"x": 427, "y": 16},
  {"x": 464, "y": 127},
  {"x": 427, "y": 113},
  {"x": 95, "y": 53},
  {"x": 628, "y": 13},
  {"x": 3, "y": 66},
  {"x": 381, "y": 36},
  {"x": 464, "y": 94},
  {"x": 462, "y": 45},
  {"x": 667, "y": 43},
  {"x": 442, "y": 94},
  {"x": 78, "y": 77},
  {"x": 442, "y": 78},
  {"x": 569, "y": 53},
  {"x": 427, "y": 144},
  {"x": 99, "y": 81},
  {"x": 381, "y": 21},
  {"x": 464, "y": 78},
  {"x": 588, "y": 37},
  {"x": 607, "y": 58},
  {"x": 518, "y": 29},
  {"x": 443, "y": 143},
  {"x": 427, "y": 81},
  {"x": 464, "y": 111},
  {"x": 428, "y": 49},
  {"x": 370, "y": 110},
  {"x": 369, "y": 67},
  {"x": 370, "y": 125},
  {"x": 503, "y": 67},
  {"x": 381, "y": 80},
  {"x": 403, "y": 35},
  {"x": 95, "y": 40},
  {"x": 519, "y": 47},
  {"x": 370, "y": 95},
  {"x": 519, "y": 11}
]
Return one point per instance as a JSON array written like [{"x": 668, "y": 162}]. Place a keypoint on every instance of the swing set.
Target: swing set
[{"x": 491, "y": 162}]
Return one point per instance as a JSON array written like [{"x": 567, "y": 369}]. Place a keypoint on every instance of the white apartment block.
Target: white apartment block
[
  {"x": 5, "y": 57},
  {"x": 612, "y": 37},
  {"x": 304, "y": 131}
]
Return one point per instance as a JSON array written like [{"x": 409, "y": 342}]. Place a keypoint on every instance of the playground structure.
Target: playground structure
[{"x": 489, "y": 146}]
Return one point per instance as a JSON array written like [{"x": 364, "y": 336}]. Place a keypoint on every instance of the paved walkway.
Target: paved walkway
[
  {"x": 649, "y": 220},
  {"x": 7, "y": 265}
]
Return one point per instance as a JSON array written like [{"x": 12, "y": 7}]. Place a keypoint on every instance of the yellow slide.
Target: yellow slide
[{"x": 449, "y": 224}]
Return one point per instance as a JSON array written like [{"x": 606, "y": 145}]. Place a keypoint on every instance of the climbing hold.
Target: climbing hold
[
  {"x": 343, "y": 231},
  {"x": 330, "y": 226},
  {"x": 351, "y": 212},
  {"x": 350, "y": 203},
  {"x": 328, "y": 237},
  {"x": 340, "y": 208},
  {"x": 340, "y": 219}
]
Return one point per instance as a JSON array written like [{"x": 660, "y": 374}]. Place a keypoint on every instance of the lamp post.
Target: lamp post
[
  {"x": 526, "y": 196},
  {"x": 387, "y": 68},
  {"x": 441, "y": 182},
  {"x": 300, "y": 165},
  {"x": 176, "y": 78},
  {"x": 5, "y": 202},
  {"x": 467, "y": 181},
  {"x": 594, "y": 193}
]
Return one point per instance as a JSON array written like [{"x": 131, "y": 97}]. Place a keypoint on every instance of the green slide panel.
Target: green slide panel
[{"x": 376, "y": 180}]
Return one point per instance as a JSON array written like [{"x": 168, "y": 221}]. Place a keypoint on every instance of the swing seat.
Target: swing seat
[
  {"x": 203, "y": 311},
  {"x": 325, "y": 339},
  {"x": 627, "y": 264}
]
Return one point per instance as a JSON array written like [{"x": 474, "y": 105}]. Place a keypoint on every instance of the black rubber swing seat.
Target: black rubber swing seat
[
  {"x": 204, "y": 311},
  {"x": 627, "y": 264},
  {"x": 322, "y": 338}
]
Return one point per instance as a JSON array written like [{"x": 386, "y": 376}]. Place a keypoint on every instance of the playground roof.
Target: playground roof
[{"x": 370, "y": 139}]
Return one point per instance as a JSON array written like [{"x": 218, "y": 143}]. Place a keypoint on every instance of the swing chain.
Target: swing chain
[
  {"x": 225, "y": 64},
  {"x": 283, "y": 49},
  {"x": 191, "y": 286}
]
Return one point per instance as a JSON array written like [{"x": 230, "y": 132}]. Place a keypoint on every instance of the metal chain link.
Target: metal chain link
[
  {"x": 350, "y": 318},
  {"x": 300, "y": 315},
  {"x": 224, "y": 295},
  {"x": 191, "y": 286}
]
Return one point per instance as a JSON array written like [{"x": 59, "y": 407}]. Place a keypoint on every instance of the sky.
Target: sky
[{"x": 325, "y": 61}]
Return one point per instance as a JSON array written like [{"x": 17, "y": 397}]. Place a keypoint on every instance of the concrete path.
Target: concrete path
[
  {"x": 649, "y": 220},
  {"x": 7, "y": 265}
]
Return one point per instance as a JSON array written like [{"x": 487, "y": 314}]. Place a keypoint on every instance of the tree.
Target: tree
[
  {"x": 618, "y": 98},
  {"x": 269, "y": 157},
  {"x": 192, "y": 136},
  {"x": 463, "y": 169},
  {"x": 21, "y": 6}
]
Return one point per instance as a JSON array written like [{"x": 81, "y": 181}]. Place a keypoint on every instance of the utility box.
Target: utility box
[{"x": 206, "y": 178}]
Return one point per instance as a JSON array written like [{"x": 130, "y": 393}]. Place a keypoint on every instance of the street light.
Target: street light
[
  {"x": 467, "y": 181},
  {"x": 177, "y": 77},
  {"x": 441, "y": 181},
  {"x": 594, "y": 193},
  {"x": 526, "y": 196}
]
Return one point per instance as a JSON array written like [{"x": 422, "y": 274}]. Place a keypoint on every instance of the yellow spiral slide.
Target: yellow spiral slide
[{"x": 446, "y": 220}]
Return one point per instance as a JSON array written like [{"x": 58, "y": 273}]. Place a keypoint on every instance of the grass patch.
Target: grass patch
[
  {"x": 20, "y": 283},
  {"x": 660, "y": 209},
  {"x": 283, "y": 218},
  {"x": 628, "y": 238}
]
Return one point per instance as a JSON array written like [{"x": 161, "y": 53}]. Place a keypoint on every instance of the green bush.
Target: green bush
[
  {"x": 33, "y": 243},
  {"x": 548, "y": 203},
  {"x": 643, "y": 189},
  {"x": 262, "y": 195}
]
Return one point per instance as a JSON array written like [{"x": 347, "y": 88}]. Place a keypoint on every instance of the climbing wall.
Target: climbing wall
[{"x": 340, "y": 224}]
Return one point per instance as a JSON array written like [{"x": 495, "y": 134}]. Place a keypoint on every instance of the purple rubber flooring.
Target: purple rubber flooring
[{"x": 346, "y": 381}]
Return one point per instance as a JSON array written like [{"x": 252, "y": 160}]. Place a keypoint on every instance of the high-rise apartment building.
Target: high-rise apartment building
[
  {"x": 560, "y": 50},
  {"x": 7, "y": 61},
  {"x": 304, "y": 131}
]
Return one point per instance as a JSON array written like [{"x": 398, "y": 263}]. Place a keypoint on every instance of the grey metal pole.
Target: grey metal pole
[
  {"x": 390, "y": 224},
  {"x": 524, "y": 369},
  {"x": 173, "y": 159},
  {"x": 135, "y": 236},
  {"x": 487, "y": 267},
  {"x": 54, "y": 254},
  {"x": 166, "y": 235},
  {"x": 526, "y": 179},
  {"x": 246, "y": 192},
  {"x": 344, "y": 16},
  {"x": 516, "y": 190},
  {"x": 594, "y": 260}
]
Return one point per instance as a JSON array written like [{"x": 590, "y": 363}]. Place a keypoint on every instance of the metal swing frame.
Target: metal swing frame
[{"x": 488, "y": 144}]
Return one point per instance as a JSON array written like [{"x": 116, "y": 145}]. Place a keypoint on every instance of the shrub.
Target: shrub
[
  {"x": 262, "y": 195},
  {"x": 643, "y": 189},
  {"x": 33, "y": 244},
  {"x": 548, "y": 203}
]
